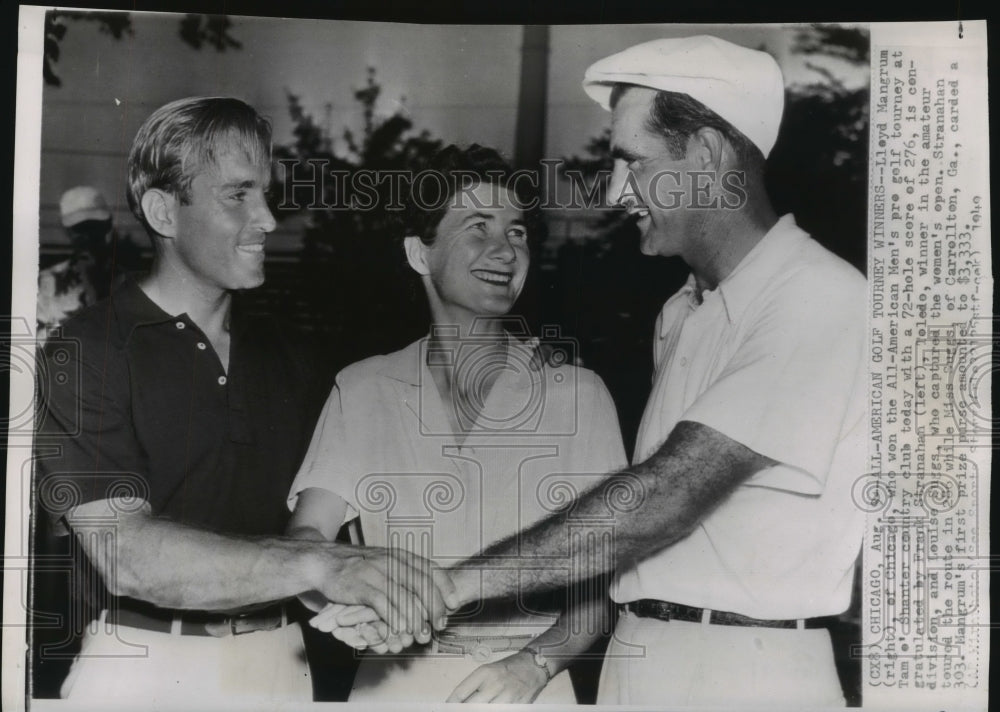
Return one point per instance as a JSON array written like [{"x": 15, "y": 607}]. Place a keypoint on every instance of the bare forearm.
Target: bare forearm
[
  {"x": 625, "y": 518},
  {"x": 562, "y": 549},
  {"x": 177, "y": 566},
  {"x": 589, "y": 539}
]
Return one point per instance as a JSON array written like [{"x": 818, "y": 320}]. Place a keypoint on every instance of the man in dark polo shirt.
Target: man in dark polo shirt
[{"x": 170, "y": 449}]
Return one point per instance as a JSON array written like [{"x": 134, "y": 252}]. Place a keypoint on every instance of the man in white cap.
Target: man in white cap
[
  {"x": 735, "y": 533},
  {"x": 67, "y": 286}
]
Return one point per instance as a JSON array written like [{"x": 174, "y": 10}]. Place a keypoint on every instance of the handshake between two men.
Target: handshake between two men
[{"x": 383, "y": 600}]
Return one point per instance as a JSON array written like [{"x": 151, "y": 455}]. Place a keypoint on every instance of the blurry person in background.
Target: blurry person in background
[
  {"x": 66, "y": 287},
  {"x": 98, "y": 259},
  {"x": 457, "y": 441}
]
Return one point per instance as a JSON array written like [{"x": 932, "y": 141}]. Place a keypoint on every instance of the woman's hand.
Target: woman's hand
[
  {"x": 359, "y": 627},
  {"x": 515, "y": 679}
]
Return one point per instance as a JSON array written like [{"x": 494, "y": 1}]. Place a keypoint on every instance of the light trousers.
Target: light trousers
[
  {"x": 678, "y": 663},
  {"x": 146, "y": 669}
]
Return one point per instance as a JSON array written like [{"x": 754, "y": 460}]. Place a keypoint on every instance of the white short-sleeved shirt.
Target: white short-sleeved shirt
[
  {"x": 774, "y": 358},
  {"x": 384, "y": 444}
]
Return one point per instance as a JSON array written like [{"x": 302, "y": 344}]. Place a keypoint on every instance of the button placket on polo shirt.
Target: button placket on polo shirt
[
  {"x": 201, "y": 344},
  {"x": 237, "y": 425}
]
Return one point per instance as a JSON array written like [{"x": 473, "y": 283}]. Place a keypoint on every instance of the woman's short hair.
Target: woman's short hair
[
  {"x": 181, "y": 138},
  {"x": 448, "y": 175}
]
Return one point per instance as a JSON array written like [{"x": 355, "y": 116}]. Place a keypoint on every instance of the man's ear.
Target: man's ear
[
  {"x": 160, "y": 210},
  {"x": 709, "y": 146},
  {"x": 416, "y": 254}
]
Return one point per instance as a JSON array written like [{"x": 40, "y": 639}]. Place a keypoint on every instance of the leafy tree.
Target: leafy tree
[
  {"x": 199, "y": 30},
  {"x": 818, "y": 169},
  {"x": 195, "y": 30},
  {"x": 352, "y": 282},
  {"x": 116, "y": 24}
]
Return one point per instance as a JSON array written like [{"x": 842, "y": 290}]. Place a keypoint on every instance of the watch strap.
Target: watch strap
[{"x": 539, "y": 659}]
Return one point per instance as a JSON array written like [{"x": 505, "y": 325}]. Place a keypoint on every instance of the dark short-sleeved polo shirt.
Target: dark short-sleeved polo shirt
[{"x": 136, "y": 402}]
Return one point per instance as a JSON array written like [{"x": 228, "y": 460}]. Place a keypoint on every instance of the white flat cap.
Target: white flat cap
[{"x": 743, "y": 86}]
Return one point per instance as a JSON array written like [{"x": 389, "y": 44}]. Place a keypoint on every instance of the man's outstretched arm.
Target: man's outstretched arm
[
  {"x": 178, "y": 566},
  {"x": 692, "y": 472}
]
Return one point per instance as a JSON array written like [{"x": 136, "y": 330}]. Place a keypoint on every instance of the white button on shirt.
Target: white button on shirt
[{"x": 774, "y": 358}]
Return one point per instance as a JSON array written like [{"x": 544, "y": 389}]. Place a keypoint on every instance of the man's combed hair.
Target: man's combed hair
[
  {"x": 446, "y": 181},
  {"x": 677, "y": 116},
  {"x": 184, "y": 136}
]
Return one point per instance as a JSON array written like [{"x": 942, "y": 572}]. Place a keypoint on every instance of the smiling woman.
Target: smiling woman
[
  {"x": 477, "y": 263},
  {"x": 467, "y": 402},
  {"x": 472, "y": 268}
]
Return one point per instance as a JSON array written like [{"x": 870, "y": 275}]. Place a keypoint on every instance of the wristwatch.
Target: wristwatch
[{"x": 539, "y": 660}]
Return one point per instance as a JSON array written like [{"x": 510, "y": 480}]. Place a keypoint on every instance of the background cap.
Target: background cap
[
  {"x": 82, "y": 203},
  {"x": 743, "y": 86}
]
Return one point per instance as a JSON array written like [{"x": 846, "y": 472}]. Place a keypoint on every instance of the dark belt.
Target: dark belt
[
  {"x": 666, "y": 611},
  {"x": 136, "y": 614}
]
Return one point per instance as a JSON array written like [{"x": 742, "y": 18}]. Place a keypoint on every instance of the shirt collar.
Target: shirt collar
[
  {"x": 134, "y": 308},
  {"x": 759, "y": 267},
  {"x": 404, "y": 365},
  {"x": 683, "y": 298},
  {"x": 409, "y": 365}
]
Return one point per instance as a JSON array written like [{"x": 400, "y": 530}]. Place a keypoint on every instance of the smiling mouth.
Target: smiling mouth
[{"x": 491, "y": 277}]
